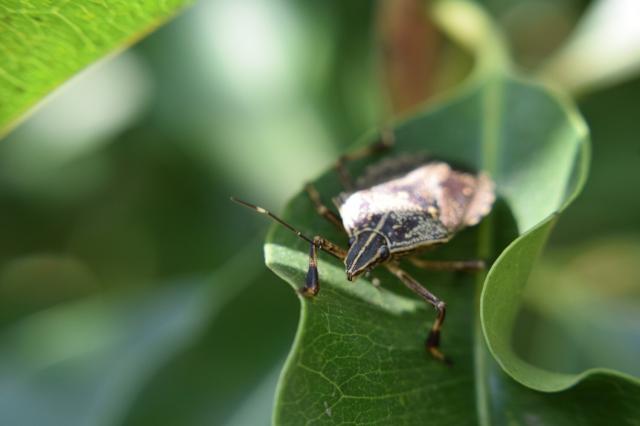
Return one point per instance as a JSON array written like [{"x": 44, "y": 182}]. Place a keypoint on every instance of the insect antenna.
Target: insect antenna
[{"x": 272, "y": 216}]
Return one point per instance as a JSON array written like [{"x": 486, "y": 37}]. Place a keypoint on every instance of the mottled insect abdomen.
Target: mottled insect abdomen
[{"x": 418, "y": 205}]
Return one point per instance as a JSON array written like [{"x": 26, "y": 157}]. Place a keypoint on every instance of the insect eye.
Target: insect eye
[
  {"x": 351, "y": 241},
  {"x": 384, "y": 252}
]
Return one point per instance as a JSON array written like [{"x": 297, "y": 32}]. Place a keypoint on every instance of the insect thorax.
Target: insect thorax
[{"x": 405, "y": 230}]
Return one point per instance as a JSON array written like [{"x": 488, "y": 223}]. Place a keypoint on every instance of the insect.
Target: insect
[{"x": 397, "y": 208}]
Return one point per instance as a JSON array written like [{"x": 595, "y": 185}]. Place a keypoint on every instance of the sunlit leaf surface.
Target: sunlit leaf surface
[{"x": 44, "y": 43}]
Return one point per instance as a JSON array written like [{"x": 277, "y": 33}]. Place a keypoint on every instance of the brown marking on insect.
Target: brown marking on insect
[{"x": 433, "y": 212}]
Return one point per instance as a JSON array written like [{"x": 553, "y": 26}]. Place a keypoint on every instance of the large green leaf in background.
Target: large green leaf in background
[
  {"x": 358, "y": 356},
  {"x": 138, "y": 357},
  {"x": 43, "y": 43},
  {"x": 84, "y": 363}
]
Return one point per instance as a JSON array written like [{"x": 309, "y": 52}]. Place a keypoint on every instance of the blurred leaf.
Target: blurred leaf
[
  {"x": 256, "y": 408},
  {"x": 78, "y": 365},
  {"x": 592, "y": 317},
  {"x": 505, "y": 285},
  {"x": 606, "y": 206},
  {"x": 44, "y": 43},
  {"x": 604, "y": 48},
  {"x": 229, "y": 373},
  {"x": 85, "y": 363},
  {"x": 593, "y": 401},
  {"x": 410, "y": 44},
  {"x": 358, "y": 355},
  {"x": 522, "y": 21},
  {"x": 32, "y": 283}
]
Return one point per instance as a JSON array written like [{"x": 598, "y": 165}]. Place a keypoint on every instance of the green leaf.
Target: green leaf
[
  {"x": 358, "y": 355},
  {"x": 230, "y": 372},
  {"x": 83, "y": 363},
  {"x": 86, "y": 363},
  {"x": 44, "y": 43},
  {"x": 583, "y": 313}
]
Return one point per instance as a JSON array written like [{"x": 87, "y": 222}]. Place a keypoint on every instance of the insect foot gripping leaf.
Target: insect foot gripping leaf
[{"x": 355, "y": 358}]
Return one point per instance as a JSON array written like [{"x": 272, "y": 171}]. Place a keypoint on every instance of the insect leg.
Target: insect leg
[
  {"x": 331, "y": 248},
  {"x": 433, "y": 339},
  {"x": 448, "y": 265},
  {"x": 312, "y": 283},
  {"x": 312, "y": 280},
  {"x": 323, "y": 210},
  {"x": 384, "y": 142}
]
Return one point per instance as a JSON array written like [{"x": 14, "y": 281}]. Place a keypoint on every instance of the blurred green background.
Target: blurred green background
[{"x": 133, "y": 292}]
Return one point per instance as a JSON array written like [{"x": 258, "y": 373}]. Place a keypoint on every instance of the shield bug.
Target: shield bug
[{"x": 397, "y": 208}]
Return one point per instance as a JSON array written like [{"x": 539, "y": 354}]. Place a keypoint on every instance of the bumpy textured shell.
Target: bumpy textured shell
[{"x": 415, "y": 202}]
